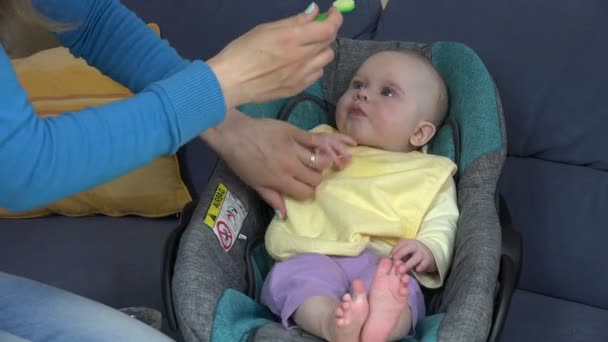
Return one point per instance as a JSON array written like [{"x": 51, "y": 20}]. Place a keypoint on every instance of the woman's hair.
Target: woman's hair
[
  {"x": 24, "y": 10},
  {"x": 23, "y": 30}
]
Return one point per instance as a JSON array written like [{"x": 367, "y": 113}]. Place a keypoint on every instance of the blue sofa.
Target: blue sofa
[{"x": 546, "y": 59}]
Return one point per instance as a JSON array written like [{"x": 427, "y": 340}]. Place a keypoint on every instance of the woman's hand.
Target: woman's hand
[
  {"x": 271, "y": 156},
  {"x": 335, "y": 149},
  {"x": 276, "y": 59}
]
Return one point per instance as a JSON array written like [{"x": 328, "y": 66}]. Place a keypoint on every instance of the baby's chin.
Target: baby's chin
[{"x": 358, "y": 136}]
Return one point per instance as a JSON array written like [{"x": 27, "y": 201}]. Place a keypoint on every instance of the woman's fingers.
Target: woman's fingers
[
  {"x": 310, "y": 79},
  {"x": 314, "y": 65},
  {"x": 335, "y": 19},
  {"x": 295, "y": 188},
  {"x": 346, "y": 139},
  {"x": 307, "y": 168},
  {"x": 308, "y": 31},
  {"x": 341, "y": 149},
  {"x": 314, "y": 160},
  {"x": 314, "y": 33},
  {"x": 315, "y": 144},
  {"x": 274, "y": 199},
  {"x": 276, "y": 59}
]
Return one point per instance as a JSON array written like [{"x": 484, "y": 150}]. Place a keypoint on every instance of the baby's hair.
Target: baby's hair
[{"x": 441, "y": 109}]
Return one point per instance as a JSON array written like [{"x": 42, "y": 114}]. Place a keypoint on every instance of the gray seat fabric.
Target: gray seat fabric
[{"x": 203, "y": 269}]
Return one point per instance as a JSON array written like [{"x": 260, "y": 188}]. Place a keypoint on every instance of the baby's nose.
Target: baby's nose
[{"x": 361, "y": 95}]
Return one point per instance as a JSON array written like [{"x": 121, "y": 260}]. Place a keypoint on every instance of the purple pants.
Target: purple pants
[{"x": 292, "y": 281}]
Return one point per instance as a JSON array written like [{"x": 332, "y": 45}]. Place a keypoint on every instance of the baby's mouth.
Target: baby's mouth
[{"x": 356, "y": 110}]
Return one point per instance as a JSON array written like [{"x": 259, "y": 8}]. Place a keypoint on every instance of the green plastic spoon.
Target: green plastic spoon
[{"x": 344, "y": 6}]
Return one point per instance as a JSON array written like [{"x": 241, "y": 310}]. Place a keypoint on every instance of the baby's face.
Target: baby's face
[{"x": 383, "y": 105}]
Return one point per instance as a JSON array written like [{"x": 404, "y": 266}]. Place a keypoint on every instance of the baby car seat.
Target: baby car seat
[{"x": 215, "y": 264}]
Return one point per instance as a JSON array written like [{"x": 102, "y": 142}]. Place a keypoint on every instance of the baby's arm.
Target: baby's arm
[{"x": 430, "y": 253}]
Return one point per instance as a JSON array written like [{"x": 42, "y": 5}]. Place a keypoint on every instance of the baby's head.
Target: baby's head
[{"x": 394, "y": 102}]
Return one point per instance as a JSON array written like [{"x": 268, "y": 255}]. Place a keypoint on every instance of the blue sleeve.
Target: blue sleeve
[
  {"x": 114, "y": 40},
  {"x": 43, "y": 160}
]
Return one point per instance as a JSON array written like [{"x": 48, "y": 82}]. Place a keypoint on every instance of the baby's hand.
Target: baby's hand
[
  {"x": 415, "y": 255},
  {"x": 334, "y": 147}
]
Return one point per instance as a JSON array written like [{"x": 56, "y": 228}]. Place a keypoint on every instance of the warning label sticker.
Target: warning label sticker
[{"x": 225, "y": 216}]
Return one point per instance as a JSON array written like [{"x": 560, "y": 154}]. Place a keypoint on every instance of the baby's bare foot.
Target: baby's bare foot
[
  {"x": 387, "y": 300},
  {"x": 351, "y": 314}
]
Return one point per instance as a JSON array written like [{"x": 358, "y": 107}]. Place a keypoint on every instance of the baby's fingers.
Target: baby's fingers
[
  {"x": 401, "y": 251},
  {"x": 413, "y": 261},
  {"x": 331, "y": 152},
  {"x": 423, "y": 266}
]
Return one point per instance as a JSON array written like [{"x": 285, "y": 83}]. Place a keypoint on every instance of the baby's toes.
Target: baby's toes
[
  {"x": 339, "y": 312},
  {"x": 345, "y": 306},
  {"x": 399, "y": 267}
]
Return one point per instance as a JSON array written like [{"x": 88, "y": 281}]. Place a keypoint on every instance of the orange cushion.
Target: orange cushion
[{"x": 57, "y": 82}]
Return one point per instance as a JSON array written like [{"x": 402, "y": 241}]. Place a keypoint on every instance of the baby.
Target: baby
[{"x": 350, "y": 260}]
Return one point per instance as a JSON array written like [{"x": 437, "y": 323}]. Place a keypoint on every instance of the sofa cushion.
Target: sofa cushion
[
  {"x": 534, "y": 317},
  {"x": 117, "y": 261},
  {"x": 56, "y": 83},
  {"x": 548, "y": 60},
  {"x": 561, "y": 213},
  {"x": 200, "y": 29}
]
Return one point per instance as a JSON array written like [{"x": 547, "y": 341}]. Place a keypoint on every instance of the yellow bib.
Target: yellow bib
[{"x": 380, "y": 195}]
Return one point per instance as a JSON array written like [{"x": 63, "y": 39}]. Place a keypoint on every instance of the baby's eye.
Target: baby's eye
[
  {"x": 358, "y": 85},
  {"x": 387, "y": 92}
]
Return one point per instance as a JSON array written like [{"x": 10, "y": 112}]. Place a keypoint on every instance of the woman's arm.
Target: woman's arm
[
  {"x": 114, "y": 40},
  {"x": 48, "y": 159},
  {"x": 43, "y": 160}
]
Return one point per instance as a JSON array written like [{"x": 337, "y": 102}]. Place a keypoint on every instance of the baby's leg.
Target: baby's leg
[
  {"x": 315, "y": 316},
  {"x": 306, "y": 290},
  {"x": 351, "y": 314},
  {"x": 389, "y": 316},
  {"x": 333, "y": 321}
]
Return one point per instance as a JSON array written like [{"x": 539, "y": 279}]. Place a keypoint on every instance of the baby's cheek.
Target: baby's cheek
[
  {"x": 340, "y": 116},
  {"x": 389, "y": 136}
]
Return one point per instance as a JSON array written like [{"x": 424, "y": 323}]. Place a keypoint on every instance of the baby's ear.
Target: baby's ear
[{"x": 423, "y": 134}]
